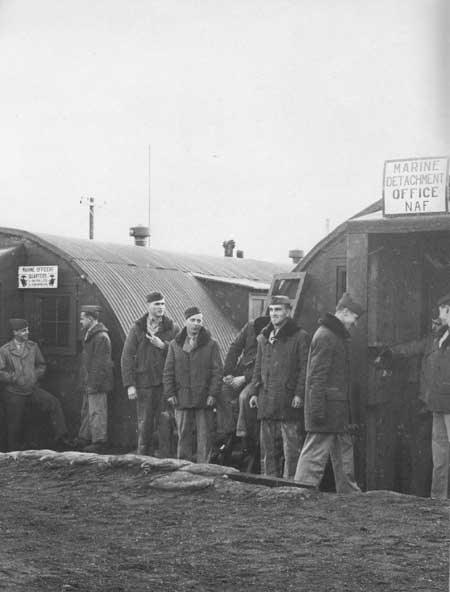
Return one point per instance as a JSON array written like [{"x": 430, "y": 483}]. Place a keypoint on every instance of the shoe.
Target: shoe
[
  {"x": 97, "y": 447},
  {"x": 64, "y": 443}
]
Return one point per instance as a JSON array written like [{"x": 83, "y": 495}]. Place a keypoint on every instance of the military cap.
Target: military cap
[
  {"x": 280, "y": 299},
  {"x": 191, "y": 311},
  {"x": 154, "y": 297},
  {"x": 347, "y": 301},
  {"x": 18, "y": 324}
]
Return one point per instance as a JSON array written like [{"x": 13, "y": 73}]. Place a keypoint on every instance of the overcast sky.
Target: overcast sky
[{"x": 264, "y": 117}]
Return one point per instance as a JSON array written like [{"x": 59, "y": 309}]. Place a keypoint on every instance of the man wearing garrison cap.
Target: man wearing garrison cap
[
  {"x": 278, "y": 386},
  {"x": 327, "y": 401},
  {"x": 96, "y": 376},
  {"x": 192, "y": 380},
  {"x": 21, "y": 367},
  {"x": 143, "y": 357}
]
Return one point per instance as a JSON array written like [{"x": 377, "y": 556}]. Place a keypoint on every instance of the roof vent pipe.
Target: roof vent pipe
[
  {"x": 240, "y": 254},
  {"x": 296, "y": 255},
  {"x": 228, "y": 247},
  {"x": 141, "y": 235}
]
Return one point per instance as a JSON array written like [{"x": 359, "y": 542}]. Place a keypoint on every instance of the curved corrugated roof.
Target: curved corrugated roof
[{"x": 124, "y": 274}]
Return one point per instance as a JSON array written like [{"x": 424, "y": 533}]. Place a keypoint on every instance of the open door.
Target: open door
[{"x": 290, "y": 285}]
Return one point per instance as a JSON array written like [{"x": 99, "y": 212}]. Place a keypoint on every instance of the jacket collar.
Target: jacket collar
[
  {"x": 98, "y": 328},
  {"x": 22, "y": 352},
  {"x": 203, "y": 337},
  {"x": 440, "y": 333},
  {"x": 166, "y": 324},
  {"x": 332, "y": 323},
  {"x": 287, "y": 330}
]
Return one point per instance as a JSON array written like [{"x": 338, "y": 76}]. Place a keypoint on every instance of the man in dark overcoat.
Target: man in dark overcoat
[
  {"x": 96, "y": 380},
  {"x": 278, "y": 386},
  {"x": 192, "y": 377},
  {"x": 143, "y": 357},
  {"x": 327, "y": 400}
]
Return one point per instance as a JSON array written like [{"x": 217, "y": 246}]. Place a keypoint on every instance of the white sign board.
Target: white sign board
[
  {"x": 415, "y": 186},
  {"x": 38, "y": 276}
]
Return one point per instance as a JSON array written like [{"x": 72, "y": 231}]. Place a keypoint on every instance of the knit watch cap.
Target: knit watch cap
[
  {"x": 191, "y": 311},
  {"x": 154, "y": 297},
  {"x": 18, "y": 324},
  {"x": 347, "y": 301}
]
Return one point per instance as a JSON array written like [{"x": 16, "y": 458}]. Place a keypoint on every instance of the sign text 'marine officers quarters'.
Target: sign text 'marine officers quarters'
[
  {"x": 415, "y": 186},
  {"x": 38, "y": 276}
]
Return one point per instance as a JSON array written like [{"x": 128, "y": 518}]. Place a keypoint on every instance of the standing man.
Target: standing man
[
  {"x": 192, "y": 377},
  {"x": 96, "y": 377},
  {"x": 143, "y": 358},
  {"x": 21, "y": 367},
  {"x": 278, "y": 386},
  {"x": 327, "y": 403}
]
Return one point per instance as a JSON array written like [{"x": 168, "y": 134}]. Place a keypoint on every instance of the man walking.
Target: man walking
[
  {"x": 143, "y": 358},
  {"x": 278, "y": 387},
  {"x": 21, "y": 367},
  {"x": 327, "y": 402},
  {"x": 96, "y": 377},
  {"x": 192, "y": 376}
]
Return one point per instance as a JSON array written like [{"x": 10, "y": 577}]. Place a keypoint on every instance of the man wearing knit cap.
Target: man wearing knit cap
[
  {"x": 278, "y": 387},
  {"x": 21, "y": 367},
  {"x": 192, "y": 380},
  {"x": 143, "y": 358},
  {"x": 96, "y": 376},
  {"x": 327, "y": 402}
]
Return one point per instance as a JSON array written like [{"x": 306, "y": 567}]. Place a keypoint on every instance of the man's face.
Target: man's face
[
  {"x": 194, "y": 324},
  {"x": 85, "y": 320},
  {"x": 22, "y": 334},
  {"x": 349, "y": 319},
  {"x": 278, "y": 313},
  {"x": 156, "y": 309},
  {"x": 444, "y": 314}
]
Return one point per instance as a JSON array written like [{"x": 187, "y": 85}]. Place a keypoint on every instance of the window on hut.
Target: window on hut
[
  {"x": 55, "y": 320},
  {"x": 341, "y": 281}
]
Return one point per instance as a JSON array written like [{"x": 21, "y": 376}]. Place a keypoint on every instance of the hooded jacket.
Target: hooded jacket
[
  {"x": 143, "y": 363},
  {"x": 20, "y": 370},
  {"x": 193, "y": 376},
  {"x": 96, "y": 369},
  {"x": 327, "y": 402},
  {"x": 280, "y": 372}
]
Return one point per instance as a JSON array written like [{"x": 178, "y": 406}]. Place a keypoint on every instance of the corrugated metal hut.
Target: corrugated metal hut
[
  {"x": 397, "y": 267},
  {"x": 228, "y": 290}
]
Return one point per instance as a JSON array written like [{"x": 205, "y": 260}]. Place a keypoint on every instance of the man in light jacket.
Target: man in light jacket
[
  {"x": 192, "y": 377},
  {"x": 327, "y": 401}
]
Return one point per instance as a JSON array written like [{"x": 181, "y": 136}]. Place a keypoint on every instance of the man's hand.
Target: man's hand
[
  {"x": 210, "y": 401},
  {"x": 132, "y": 394},
  {"x": 172, "y": 401},
  {"x": 297, "y": 402},
  {"x": 91, "y": 391},
  {"x": 156, "y": 341},
  {"x": 228, "y": 379},
  {"x": 238, "y": 382},
  {"x": 253, "y": 402}
]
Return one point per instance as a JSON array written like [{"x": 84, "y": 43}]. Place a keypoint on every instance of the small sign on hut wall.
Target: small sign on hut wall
[
  {"x": 38, "y": 276},
  {"x": 415, "y": 186}
]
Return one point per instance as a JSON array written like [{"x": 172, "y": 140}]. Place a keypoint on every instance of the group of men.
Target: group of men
[{"x": 284, "y": 386}]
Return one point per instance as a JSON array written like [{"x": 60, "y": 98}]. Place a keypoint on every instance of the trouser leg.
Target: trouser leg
[
  {"x": 15, "y": 407},
  {"x": 84, "y": 432},
  {"x": 268, "y": 434},
  {"x": 203, "y": 426},
  {"x": 166, "y": 437},
  {"x": 291, "y": 447},
  {"x": 224, "y": 410},
  {"x": 440, "y": 451},
  {"x": 185, "y": 419},
  {"x": 313, "y": 458},
  {"x": 149, "y": 402},
  {"x": 343, "y": 464},
  {"x": 247, "y": 423},
  {"x": 98, "y": 417},
  {"x": 50, "y": 405}
]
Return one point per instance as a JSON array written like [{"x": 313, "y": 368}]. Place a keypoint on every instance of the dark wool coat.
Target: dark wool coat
[
  {"x": 193, "y": 376},
  {"x": 20, "y": 371},
  {"x": 143, "y": 363},
  {"x": 327, "y": 402},
  {"x": 241, "y": 356},
  {"x": 96, "y": 371},
  {"x": 280, "y": 372}
]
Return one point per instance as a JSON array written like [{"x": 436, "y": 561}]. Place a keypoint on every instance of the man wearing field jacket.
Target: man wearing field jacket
[
  {"x": 96, "y": 380},
  {"x": 435, "y": 391},
  {"x": 192, "y": 376},
  {"x": 143, "y": 358},
  {"x": 278, "y": 387},
  {"x": 327, "y": 401},
  {"x": 21, "y": 367}
]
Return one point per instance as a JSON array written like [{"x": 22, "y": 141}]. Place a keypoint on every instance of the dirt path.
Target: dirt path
[{"x": 91, "y": 528}]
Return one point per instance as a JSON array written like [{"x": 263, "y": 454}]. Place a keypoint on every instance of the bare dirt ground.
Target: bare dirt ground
[{"x": 96, "y": 528}]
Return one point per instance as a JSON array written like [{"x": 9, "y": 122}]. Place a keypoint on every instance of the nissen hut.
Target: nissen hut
[
  {"x": 397, "y": 266},
  {"x": 46, "y": 278}
]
